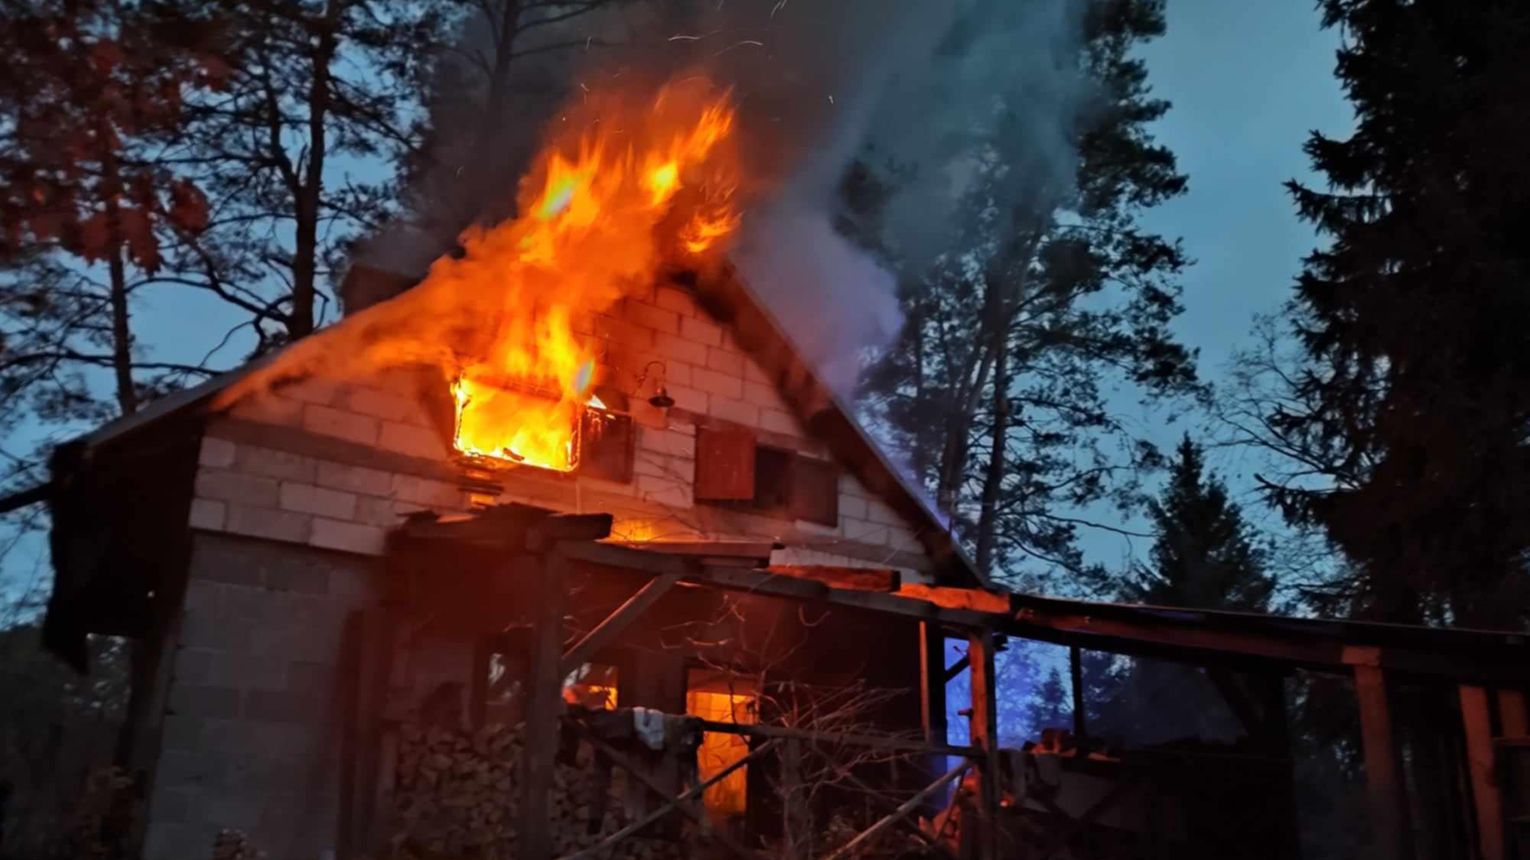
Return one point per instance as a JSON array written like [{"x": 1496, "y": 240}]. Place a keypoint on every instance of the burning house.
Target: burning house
[{"x": 578, "y": 487}]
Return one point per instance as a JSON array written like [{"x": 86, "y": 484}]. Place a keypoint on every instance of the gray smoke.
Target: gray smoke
[{"x": 920, "y": 92}]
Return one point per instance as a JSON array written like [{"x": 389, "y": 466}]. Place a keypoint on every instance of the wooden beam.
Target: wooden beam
[
  {"x": 1383, "y": 773},
  {"x": 903, "y": 811},
  {"x": 1477, "y": 723},
  {"x": 887, "y": 742},
  {"x": 543, "y": 706},
  {"x": 883, "y": 580},
  {"x": 956, "y": 668},
  {"x": 619, "y": 619},
  {"x": 985, "y": 737}
]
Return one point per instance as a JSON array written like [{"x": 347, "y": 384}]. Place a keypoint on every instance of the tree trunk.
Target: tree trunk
[
  {"x": 122, "y": 333},
  {"x": 993, "y": 481},
  {"x": 305, "y": 262}
]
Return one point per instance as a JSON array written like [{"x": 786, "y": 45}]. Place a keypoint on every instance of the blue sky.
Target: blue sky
[{"x": 1248, "y": 81}]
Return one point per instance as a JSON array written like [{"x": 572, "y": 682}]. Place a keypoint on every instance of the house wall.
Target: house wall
[
  {"x": 249, "y": 740},
  {"x": 334, "y": 464},
  {"x": 295, "y": 492}
]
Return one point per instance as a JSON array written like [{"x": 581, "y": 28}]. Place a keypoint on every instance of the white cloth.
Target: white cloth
[{"x": 649, "y": 726}]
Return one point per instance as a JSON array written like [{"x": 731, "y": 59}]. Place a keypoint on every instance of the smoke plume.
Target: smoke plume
[{"x": 917, "y": 92}]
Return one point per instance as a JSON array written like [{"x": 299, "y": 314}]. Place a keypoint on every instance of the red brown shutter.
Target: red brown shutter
[
  {"x": 724, "y": 464},
  {"x": 815, "y": 491}
]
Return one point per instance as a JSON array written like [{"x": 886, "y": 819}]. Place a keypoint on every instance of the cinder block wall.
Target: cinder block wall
[{"x": 250, "y": 736}]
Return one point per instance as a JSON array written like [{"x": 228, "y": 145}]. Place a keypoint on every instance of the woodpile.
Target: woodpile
[{"x": 457, "y": 795}]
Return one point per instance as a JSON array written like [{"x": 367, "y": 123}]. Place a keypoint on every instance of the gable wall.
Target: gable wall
[{"x": 335, "y": 464}]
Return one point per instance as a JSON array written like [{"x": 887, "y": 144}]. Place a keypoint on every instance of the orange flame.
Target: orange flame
[{"x": 502, "y": 319}]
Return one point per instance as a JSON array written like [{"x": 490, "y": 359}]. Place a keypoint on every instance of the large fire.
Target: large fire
[{"x": 628, "y": 184}]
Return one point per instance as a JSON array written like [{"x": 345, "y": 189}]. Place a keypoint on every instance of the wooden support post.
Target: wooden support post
[
  {"x": 1477, "y": 723},
  {"x": 1383, "y": 775},
  {"x": 932, "y": 682},
  {"x": 1080, "y": 716},
  {"x": 796, "y": 825},
  {"x": 544, "y": 704},
  {"x": 985, "y": 736},
  {"x": 368, "y": 658}
]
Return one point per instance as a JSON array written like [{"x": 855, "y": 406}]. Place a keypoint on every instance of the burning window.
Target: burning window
[
  {"x": 592, "y": 685},
  {"x": 723, "y": 698},
  {"x": 505, "y": 424}
]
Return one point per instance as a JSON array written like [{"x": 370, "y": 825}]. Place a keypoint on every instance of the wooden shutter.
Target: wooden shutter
[
  {"x": 815, "y": 491},
  {"x": 724, "y": 464},
  {"x": 605, "y": 446}
]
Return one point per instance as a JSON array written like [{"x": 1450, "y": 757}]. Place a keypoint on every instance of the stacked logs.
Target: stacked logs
[{"x": 457, "y": 795}]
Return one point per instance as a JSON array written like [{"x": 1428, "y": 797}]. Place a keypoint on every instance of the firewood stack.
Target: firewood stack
[{"x": 457, "y": 795}]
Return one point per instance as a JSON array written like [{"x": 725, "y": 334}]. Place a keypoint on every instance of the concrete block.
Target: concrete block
[
  {"x": 354, "y": 479},
  {"x": 722, "y": 384},
  {"x": 168, "y": 840},
  {"x": 852, "y": 506},
  {"x": 203, "y": 700},
  {"x": 351, "y": 426},
  {"x": 237, "y": 487},
  {"x": 207, "y": 514},
  {"x": 676, "y": 348},
  {"x": 347, "y": 536},
  {"x": 379, "y": 404},
  {"x": 668, "y": 492},
  {"x": 217, "y": 630},
  {"x": 623, "y": 332},
  {"x": 677, "y": 300},
  {"x": 777, "y": 421},
  {"x": 753, "y": 373},
  {"x": 269, "y": 409},
  {"x": 865, "y": 532},
  {"x": 311, "y": 678},
  {"x": 724, "y": 361},
  {"x": 320, "y": 501},
  {"x": 378, "y": 512},
  {"x": 282, "y": 706},
  {"x": 686, "y": 397},
  {"x": 215, "y": 452},
  {"x": 269, "y": 523},
  {"x": 248, "y": 671},
  {"x": 701, "y": 331},
  {"x": 652, "y": 317},
  {"x": 309, "y": 579},
  {"x": 675, "y": 442},
  {"x": 313, "y": 390},
  {"x": 764, "y": 396},
  {"x": 427, "y": 492},
  {"x": 879, "y": 512},
  {"x": 411, "y": 440},
  {"x": 732, "y": 409},
  {"x": 194, "y": 665},
  {"x": 170, "y": 805},
  {"x": 677, "y": 372},
  {"x": 282, "y": 465}
]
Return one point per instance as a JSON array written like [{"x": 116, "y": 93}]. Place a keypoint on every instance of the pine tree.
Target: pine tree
[
  {"x": 1407, "y": 414},
  {"x": 1051, "y": 708},
  {"x": 1203, "y": 557},
  {"x": 1051, "y": 292}
]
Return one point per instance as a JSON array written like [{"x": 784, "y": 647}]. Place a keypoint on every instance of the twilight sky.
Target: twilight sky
[{"x": 1248, "y": 81}]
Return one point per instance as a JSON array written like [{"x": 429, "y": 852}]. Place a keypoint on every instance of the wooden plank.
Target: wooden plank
[
  {"x": 544, "y": 703},
  {"x": 619, "y": 619},
  {"x": 887, "y": 742},
  {"x": 749, "y": 549},
  {"x": 985, "y": 737},
  {"x": 903, "y": 811},
  {"x": 957, "y": 598},
  {"x": 1383, "y": 773},
  {"x": 724, "y": 464},
  {"x": 882, "y": 580},
  {"x": 1512, "y": 714},
  {"x": 1477, "y": 723}
]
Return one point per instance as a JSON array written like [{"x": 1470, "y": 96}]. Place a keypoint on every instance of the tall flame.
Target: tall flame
[{"x": 632, "y": 181}]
